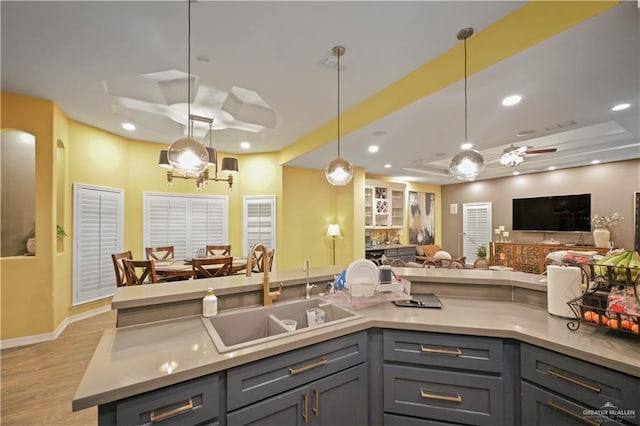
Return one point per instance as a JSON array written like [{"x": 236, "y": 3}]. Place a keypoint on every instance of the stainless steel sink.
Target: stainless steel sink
[{"x": 242, "y": 328}]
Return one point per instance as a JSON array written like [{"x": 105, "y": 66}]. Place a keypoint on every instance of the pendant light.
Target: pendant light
[
  {"x": 468, "y": 163},
  {"x": 339, "y": 171},
  {"x": 187, "y": 156}
]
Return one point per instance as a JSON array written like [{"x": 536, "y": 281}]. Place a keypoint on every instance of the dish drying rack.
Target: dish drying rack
[
  {"x": 595, "y": 297},
  {"x": 359, "y": 296}
]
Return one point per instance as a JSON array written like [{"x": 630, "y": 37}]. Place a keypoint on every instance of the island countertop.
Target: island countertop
[{"x": 136, "y": 359}]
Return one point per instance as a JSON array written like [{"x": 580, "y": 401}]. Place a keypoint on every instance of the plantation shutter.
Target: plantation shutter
[
  {"x": 259, "y": 217},
  {"x": 188, "y": 223},
  {"x": 97, "y": 234},
  {"x": 476, "y": 228}
]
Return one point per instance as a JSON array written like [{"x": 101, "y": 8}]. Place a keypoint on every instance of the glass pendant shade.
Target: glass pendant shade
[
  {"x": 188, "y": 157},
  {"x": 339, "y": 172},
  {"x": 467, "y": 164},
  {"x": 229, "y": 165}
]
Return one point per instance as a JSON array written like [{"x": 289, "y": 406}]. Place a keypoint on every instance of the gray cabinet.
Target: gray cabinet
[
  {"x": 304, "y": 386},
  {"x": 437, "y": 378},
  {"x": 407, "y": 254},
  {"x": 194, "y": 402},
  {"x": 555, "y": 386}
]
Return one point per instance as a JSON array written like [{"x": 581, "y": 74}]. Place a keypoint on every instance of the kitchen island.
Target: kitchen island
[{"x": 132, "y": 360}]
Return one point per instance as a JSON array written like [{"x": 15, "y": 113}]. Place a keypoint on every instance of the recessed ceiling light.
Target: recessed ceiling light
[
  {"x": 551, "y": 168},
  {"x": 516, "y": 173},
  {"x": 129, "y": 126},
  {"x": 620, "y": 107},
  {"x": 245, "y": 145},
  {"x": 595, "y": 162},
  {"x": 511, "y": 100},
  {"x": 374, "y": 148},
  {"x": 387, "y": 166},
  {"x": 467, "y": 145}
]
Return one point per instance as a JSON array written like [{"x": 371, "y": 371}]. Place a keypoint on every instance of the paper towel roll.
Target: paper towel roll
[{"x": 563, "y": 284}]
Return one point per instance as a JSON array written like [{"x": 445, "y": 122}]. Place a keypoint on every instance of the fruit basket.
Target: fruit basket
[{"x": 610, "y": 299}]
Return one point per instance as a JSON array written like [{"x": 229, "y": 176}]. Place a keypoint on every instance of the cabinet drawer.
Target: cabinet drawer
[
  {"x": 394, "y": 420},
  {"x": 271, "y": 376},
  {"x": 406, "y": 251},
  {"x": 465, "y": 352},
  {"x": 190, "y": 402},
  {"x": 444, "y": 395},
  {"x": 543, "y": 408},
  {"x": 587, "y": 383}
]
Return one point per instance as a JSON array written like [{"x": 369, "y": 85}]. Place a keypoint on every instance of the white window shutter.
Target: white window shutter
[
  {"x": 259, "y": 220},
  {"x": 476, "y": 228},
  {"x": 98, "y": 233},
  {"x": 188, "y": 223}
]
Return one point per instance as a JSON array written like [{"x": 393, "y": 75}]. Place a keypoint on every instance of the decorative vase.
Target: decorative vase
[
  {"x": 31, "y": 246},
  {"x": 601, "y": 237}
]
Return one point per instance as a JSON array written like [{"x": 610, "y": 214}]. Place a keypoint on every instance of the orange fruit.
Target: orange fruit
[
  {"x": 604, "y": 320},
  {"x": 613, "y": 323},
  {"x": 588, "y": 316},
  {"x": 634, "y": 329},
  {"x": 625, "y": 324}
]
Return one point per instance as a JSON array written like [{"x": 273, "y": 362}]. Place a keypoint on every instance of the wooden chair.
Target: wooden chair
[
  {"x": 147, "y": 272},
  {"x": 159, "y": 253},
  {"x": 202, "y": 267},
  {"x": 219, "y": 250},
  {"x": 118, "y": 265},
  {"x": 257, "y": 266}
]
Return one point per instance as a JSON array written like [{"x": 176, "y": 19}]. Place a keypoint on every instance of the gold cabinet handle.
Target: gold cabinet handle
[
  {"x": 304, "y": 408},
  {"x": 294, "y": 371},
  {"x": 570, "y": 413},
  {"x": 454, "y": 352},
  {"x": 428, "y": 395},
  {"x": 316, "y": 402},
  {"x": 574, "y": 381},
  {"x": 155, "y": 418}
]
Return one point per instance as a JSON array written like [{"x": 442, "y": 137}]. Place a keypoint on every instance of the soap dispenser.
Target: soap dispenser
[{"x": 209, "y": 304}]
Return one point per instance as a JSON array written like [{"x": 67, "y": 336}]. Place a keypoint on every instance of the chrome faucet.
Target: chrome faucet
[
  {"x": 308, "y": 286},
  {"x": 268, "y": 296}
]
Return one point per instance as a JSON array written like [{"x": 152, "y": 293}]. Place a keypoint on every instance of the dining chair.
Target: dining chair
[
  {"x": 117, "y": 258},
  {"x": 218, "y": 250},
  {"x": 159, "y": 253},
  {"x": 204, "y": 268},
  {"x": 140, "y": 272},
  {"x": 257, "y": 263}
]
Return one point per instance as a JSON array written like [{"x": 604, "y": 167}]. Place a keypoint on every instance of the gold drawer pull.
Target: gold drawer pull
[
  {"x": 171, "y": 413},
  {"x": 294, "y": 371},
  {"x": 574, "y": 381},
  {"x": 304, "y": 409},
  {"x": 568, "y": 412},
  {"x": 428, "y": 395},
  {"x": 316, "y": 402},
  {"x": 454, "y": 352}
]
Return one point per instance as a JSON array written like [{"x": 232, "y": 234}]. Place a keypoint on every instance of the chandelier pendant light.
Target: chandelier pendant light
[
  {"x": 339, "y": 171},
  {"x": 187, "y": 156},
  {"x": 468, "y": 163}
]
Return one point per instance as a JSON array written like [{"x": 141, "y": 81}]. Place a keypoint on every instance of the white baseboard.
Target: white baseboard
[{"x": 45, "y": 337}]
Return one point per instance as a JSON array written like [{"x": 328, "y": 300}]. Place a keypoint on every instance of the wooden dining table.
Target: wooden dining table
[{"x": 182, "y": 268}]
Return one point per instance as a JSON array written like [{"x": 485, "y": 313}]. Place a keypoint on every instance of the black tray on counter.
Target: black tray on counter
[{"x": 428, "y": 300}]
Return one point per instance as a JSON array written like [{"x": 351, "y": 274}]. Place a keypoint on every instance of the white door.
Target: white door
[{"x": 476, "y": 228}]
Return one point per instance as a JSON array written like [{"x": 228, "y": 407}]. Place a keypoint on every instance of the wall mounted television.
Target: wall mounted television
[{"x": 558, "y": 213}]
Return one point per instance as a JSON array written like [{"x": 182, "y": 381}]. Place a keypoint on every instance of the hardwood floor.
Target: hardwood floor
[{"x": 39, "y": 381}]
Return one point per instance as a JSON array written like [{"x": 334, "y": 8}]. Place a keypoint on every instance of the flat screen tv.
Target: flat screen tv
[{"x": 559, "y": 213}]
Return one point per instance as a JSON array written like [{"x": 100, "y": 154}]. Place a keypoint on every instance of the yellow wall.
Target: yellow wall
[{"x": 26, "y": 281}]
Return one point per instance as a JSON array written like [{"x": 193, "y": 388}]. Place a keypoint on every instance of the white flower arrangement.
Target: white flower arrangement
[{"x": 606, "y": 221}]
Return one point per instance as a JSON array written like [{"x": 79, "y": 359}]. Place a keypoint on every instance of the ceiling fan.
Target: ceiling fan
[{"x": 514, "y": 155}]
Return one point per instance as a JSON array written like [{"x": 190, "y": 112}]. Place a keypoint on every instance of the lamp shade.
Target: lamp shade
[
  {"x": 213, "y": 157},
  {"x": 163, "y": 161},
  {"x": 333, "y": 230},
  {"x": 339, "y": 172},
  {"x": 229, "y": 165},
  {"x": 467, "y": 164},
  {"x": 188, "y": 157}
]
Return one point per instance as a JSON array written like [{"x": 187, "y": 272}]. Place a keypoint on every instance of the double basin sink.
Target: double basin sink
[{"x": 246, "y": 327}]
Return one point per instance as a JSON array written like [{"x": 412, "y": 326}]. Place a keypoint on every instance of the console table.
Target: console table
[{"x": 529, "y": 257}]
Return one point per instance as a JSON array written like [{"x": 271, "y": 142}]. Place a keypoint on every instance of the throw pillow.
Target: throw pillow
[
  {"x": 430, "y": 250},
  {"x": 442, "y": 255},
  {"x": 419, "y": 251}
]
